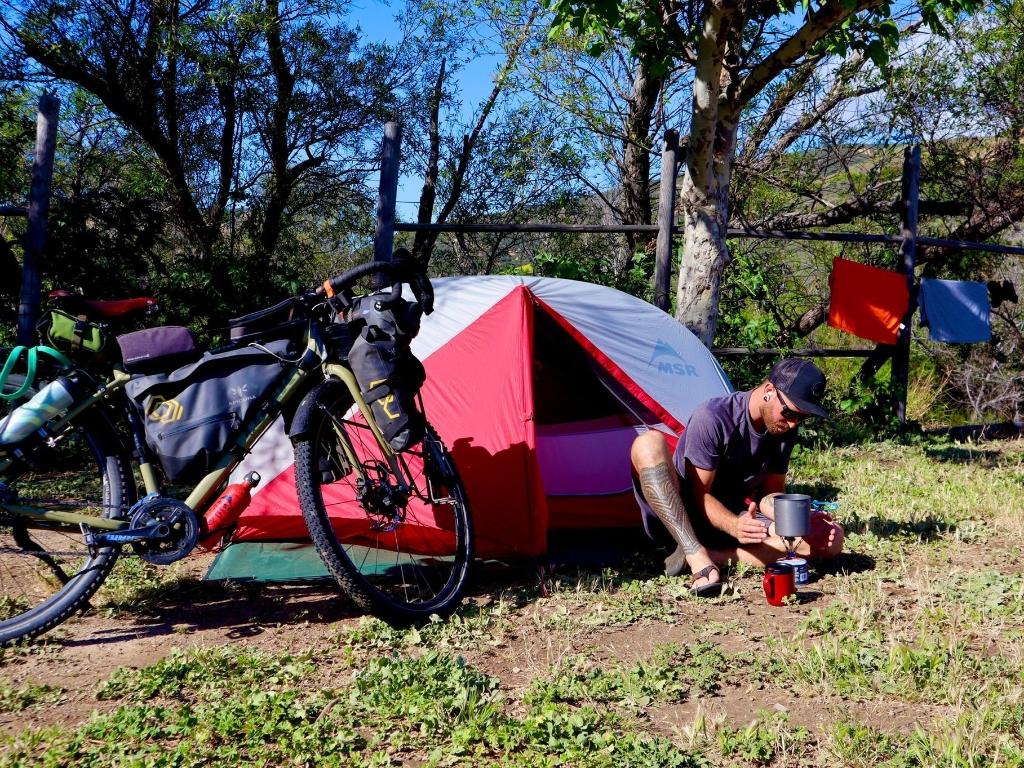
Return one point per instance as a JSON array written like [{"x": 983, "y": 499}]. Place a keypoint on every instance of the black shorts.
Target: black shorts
[{"x": 707, "y": 534}]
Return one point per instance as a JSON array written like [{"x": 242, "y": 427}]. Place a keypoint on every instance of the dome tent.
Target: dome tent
[{"x": 538, "y": 386}]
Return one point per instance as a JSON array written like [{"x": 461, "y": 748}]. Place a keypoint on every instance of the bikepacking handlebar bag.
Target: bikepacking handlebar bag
[
  {"x": 192, "y": 415},
  {"x": 388, "y": 373}
]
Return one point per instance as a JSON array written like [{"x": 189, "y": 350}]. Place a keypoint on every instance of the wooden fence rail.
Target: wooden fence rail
[{"x": 909, "y": 207}]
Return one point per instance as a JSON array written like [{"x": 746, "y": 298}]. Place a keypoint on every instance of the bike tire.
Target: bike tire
[
  {"x": 401, "y": 574},
  {"x": 47, "y": 572}
]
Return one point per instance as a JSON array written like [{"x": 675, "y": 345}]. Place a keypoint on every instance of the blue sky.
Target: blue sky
[{"x": 376, "y": 19}]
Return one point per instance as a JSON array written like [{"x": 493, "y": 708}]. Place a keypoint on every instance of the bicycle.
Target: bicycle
[{"x": 69, "y": 501}]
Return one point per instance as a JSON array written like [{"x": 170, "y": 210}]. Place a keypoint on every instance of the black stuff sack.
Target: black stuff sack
[
  {"x": 192, "y": 415},
  {"x": 388, "y": 373}
]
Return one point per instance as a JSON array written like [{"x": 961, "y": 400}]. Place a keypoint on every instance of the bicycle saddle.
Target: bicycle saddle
[{"x": 76, "y": 304}]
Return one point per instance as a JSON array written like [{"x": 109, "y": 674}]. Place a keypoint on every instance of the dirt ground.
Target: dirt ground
[{"x": 276, "y": 618}]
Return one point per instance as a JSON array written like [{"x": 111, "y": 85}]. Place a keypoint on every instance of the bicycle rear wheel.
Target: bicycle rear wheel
[
  {"x": 401, "y": 554},
  {"x": 47, "y": 572}
]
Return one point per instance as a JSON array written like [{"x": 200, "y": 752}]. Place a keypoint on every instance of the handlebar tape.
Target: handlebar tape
[{"x": 403, "y": 270}]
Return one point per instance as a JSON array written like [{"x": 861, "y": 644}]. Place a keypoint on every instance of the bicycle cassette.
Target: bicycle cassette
[{"x": 181, "y": 524}]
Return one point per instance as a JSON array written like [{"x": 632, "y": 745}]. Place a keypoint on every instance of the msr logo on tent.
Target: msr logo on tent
[{"x": 663, "y": 349}]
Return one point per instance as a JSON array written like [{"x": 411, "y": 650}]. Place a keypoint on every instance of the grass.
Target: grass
[
  {"x": 18, "y": 698},
  {"x": 912, "y": 656}
]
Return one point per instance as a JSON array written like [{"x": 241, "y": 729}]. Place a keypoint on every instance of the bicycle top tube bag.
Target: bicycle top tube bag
[
  {"x": 388, "y": 373},
  {"x": 153, "y": 350},
  {"x": 192, "y": 414}
]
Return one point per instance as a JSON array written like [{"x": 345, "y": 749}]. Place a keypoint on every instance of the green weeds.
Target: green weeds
[
  {"x": 871, "y": 665},
  {"x": 978, "y": 736},
  {"x": 909, "y": 622},
  {"x": 672, "y": 674},
  {"x": 203, "y": 669},
  {"x": 14, "y": 699},
  {"x": 768, "y": 739}
]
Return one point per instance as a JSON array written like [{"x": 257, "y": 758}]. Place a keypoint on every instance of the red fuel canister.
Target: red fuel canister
[{"x": 220, "y": 518}]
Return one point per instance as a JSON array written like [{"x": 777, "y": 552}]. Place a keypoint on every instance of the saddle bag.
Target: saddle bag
[
  {"x": 192, "y": 415},
  {"x": 71, "y": 334},
  {"x": 388, "y": 373}
]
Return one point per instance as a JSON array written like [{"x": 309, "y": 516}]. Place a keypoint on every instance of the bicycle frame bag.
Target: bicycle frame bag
[
  {"x": 71, "y": 334},
  {"x": 157, "y": 349},
  {"x": 388, "y": 373},
  {"x": 192, "y": 415}
]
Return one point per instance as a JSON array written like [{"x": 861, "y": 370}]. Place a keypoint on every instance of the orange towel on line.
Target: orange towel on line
[{"x": 867, "y": 301}]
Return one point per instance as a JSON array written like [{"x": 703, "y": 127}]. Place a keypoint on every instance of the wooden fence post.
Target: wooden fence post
[
  {"x": 38, "y": 210},
  {"x": 384, "y": 233},
  {"x": 666, "y": 219},
  {"x": 908, "y": 249}
]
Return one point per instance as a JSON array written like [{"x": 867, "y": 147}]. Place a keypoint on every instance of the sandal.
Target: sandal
[{"x": 712, "y": 589}]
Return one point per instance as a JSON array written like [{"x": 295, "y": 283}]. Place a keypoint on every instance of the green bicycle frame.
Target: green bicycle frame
[{"x": 202, "y": 495}]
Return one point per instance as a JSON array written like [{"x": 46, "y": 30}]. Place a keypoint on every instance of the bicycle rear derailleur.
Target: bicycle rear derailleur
[{"x": 162, "y": 530}]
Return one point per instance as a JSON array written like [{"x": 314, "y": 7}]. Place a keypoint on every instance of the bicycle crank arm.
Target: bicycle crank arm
[{"x": 146, "y": 533}]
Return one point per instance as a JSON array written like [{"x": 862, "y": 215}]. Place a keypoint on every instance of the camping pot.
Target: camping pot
[{"x": 792, "y": 515}]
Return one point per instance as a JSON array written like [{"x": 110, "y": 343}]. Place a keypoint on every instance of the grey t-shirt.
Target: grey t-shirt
[{"x": 720, "y": 436}]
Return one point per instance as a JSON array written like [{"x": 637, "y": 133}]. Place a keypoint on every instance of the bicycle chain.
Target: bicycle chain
[{"x": 125, "y": 552}]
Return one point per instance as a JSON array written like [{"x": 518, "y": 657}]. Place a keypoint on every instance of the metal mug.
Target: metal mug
[
  {"x": 778, "y": 583},
  {"x": 792, "y": 515}
]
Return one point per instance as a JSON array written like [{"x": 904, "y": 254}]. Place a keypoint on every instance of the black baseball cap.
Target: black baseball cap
[{"x": 802, "y": 383}]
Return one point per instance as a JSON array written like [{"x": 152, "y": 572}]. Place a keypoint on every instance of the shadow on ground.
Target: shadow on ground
[
  {"x": 926, "y": 529},
  {"x": 955, "y": 454},
  {"x": 845, "y": 564},
  {"x": 241, "y": 610}
]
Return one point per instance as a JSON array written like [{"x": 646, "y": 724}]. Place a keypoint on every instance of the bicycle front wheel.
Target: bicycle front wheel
[
  {"x": 47, "y": 572},
  {"x": 401, "y": 553}
]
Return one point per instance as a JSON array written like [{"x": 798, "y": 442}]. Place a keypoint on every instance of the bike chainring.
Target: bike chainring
[{"x": 179, "y": 518}]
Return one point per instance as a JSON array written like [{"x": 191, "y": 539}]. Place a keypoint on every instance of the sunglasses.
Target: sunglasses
[{"x": 787, "y": 412}]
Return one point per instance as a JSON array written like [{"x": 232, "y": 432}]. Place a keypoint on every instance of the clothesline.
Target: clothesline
[{"x": 873, "y": 303}]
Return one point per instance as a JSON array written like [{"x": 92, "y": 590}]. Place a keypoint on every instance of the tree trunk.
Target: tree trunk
[
  {"x": 705, "y": 215},
  {"x": 281, "y": 176},
  {"x": 704, "y": 198},
  {"x": 636, "y": 155}
]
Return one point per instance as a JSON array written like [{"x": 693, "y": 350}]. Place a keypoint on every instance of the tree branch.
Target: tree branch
[
  {"x": 780, "y": 102},
  {"x": 429, "y": 193},
  {"x": 818, "y": 24}
]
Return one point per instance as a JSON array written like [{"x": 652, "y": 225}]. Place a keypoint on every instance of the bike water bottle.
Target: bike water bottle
[
  {"x": 52, "y": 400},
  {"x": 223, "y": 513}
]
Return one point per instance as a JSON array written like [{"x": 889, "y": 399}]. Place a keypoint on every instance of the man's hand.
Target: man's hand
[
  {"x": 823, "y": 531},
  {"x": 750, "y": 530}
]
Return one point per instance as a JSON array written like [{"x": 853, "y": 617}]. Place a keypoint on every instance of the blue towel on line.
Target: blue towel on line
[{"x": 955, "y": 311}]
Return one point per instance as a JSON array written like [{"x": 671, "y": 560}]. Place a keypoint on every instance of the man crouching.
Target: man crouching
[{"x": 714, "y": 494}]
